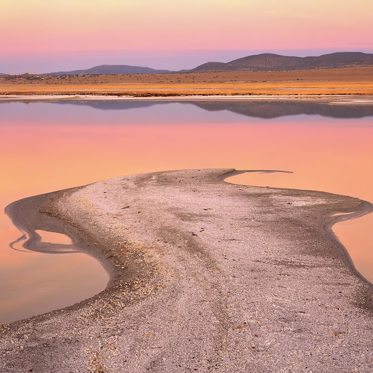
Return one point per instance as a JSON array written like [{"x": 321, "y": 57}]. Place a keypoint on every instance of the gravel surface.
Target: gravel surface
[{"x": 206, "y": 277}]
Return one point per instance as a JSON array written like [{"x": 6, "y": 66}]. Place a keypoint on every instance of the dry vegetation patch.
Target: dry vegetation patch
[{"x": 341, "y": 81}]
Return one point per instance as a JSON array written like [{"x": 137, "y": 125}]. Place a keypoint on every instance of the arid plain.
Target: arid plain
[{"x": 339, "y": 81}]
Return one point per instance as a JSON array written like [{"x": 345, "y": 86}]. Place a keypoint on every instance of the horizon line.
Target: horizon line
[{"x": 302, "y": 53}]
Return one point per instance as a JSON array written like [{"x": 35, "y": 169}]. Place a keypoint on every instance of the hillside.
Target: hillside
[
  {"x": 260, "y": 62},
  {"x": 112, "y": 69},
  {"x": 276, "y": 62}
]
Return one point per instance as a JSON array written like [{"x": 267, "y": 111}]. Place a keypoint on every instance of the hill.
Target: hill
[
  {"x": 276, "y": 62},
  {"x": 112, "y": 69},
  {"x": 259, "y": 62}
]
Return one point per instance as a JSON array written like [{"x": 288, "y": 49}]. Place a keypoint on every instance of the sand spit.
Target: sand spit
[{"x": 207, "y": 276}]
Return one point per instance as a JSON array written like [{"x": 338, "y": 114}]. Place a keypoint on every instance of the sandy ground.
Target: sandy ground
[
  {"x": 206, "y": 276},
  {"x": 338, "y": 81}
]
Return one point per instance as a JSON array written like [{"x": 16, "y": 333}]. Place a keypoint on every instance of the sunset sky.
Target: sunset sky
[{"x": 40, "y": 35}]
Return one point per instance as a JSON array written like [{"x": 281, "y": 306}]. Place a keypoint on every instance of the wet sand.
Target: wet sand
[{"x": 206, "y": 276}]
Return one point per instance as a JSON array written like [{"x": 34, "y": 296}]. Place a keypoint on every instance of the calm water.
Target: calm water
[{"x": 51, "y": 146}]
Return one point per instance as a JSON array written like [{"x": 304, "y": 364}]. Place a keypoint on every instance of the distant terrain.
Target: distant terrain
[
  {"x": 113, "y": 69},
  {"x": 276, "y": 62},
  {"x": 259, "y": 62},
  {"x": 311, "y": 82}
]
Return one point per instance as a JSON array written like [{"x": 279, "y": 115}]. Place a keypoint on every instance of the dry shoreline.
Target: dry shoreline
[
  {"x": 333, "y": 99},
  {"x": 208, "y": 276},
  {"x": 365, "y": 209}
]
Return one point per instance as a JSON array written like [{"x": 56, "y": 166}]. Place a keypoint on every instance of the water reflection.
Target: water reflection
[
  {"x": 50, "y": 279},
  {"x": 44, "y": 242},
  {"x": 36, "y": 244},
  {"x": 276, "y": 109},
  {"x": 61, "y": 145},
  {"x": 256, "y": 109}
]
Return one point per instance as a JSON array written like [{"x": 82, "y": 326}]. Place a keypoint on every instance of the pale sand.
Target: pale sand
[
  {"x": 331, "y": 99},
  {"x": 207, "y": 276}
]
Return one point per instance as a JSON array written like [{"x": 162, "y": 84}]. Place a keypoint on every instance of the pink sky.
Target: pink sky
[{"x": 39, "y": 34}]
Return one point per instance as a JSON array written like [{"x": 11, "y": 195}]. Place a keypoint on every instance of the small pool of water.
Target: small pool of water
[
  {"x": 53, "y": 237},
  {"x": 32, "y": 283}
]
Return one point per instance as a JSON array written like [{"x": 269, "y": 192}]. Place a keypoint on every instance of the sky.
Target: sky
[{"x": 49, "y": 35}]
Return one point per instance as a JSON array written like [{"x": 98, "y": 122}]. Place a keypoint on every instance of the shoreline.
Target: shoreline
[
  {"x": 154, "y": 270},
  {"x": 326, "y": 98},
  {"x": 367, "y": 208},
  {"x": 30, "y": 213}
]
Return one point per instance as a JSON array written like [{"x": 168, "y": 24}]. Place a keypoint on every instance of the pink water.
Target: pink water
[{"x": 49, "y": 146}]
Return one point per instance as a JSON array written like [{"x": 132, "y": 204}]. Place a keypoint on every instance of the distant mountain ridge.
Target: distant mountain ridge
[
  {"x": 113, "y": 69},
  {"x": 276, "y": 62},
  {"x": 258, "y": 62}
]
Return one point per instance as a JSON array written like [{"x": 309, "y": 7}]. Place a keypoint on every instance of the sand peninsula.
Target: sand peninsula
[{"x": 206, "y": 276}]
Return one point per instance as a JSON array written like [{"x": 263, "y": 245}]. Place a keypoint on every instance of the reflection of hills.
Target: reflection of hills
[
  {"x": 275, "y": 109},
  {"x": 112, "y": 104},
  {"x": 264, "y": 109},
  {"x": 255, "y": 109}
]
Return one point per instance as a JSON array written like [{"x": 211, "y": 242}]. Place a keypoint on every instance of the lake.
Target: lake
[{"x": 47, "y": 146}]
